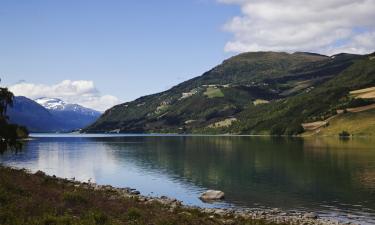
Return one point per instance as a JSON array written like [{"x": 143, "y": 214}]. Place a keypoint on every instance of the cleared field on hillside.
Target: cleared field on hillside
[
  {"x": 224, "y": 123},
  {"x": 260, "y": 101},
  {"x": 366, "y": 93},
  {"x": 361, "y": 123},
  {"x": 213, "y": 92}
]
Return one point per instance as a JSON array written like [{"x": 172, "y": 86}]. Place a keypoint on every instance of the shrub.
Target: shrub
[
  {"x": 358, "y": 102},
  {"x": 74, "y": 198},
  {"x": 344, "y": 134},
  {"x": 99, "y": 218},
  {"x": 4, "y": 196},
  {"x": 134, "y": 214},
  {"x": 165, "y": 222}
]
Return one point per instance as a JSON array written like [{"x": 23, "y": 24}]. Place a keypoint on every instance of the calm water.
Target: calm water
[{"x": 329, "y": 176}]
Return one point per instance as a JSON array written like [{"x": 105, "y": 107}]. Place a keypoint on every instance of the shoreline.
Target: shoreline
[
  {"x": 224, "y": 215},
  {"x": 269, "y": 215},
  {"x": 302, "y": 136}
]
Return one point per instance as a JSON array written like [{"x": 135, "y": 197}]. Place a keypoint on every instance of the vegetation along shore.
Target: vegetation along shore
[{"x": 27, "y": 198}]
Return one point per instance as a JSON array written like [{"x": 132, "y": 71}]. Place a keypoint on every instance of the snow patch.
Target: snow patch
[{"x": 55, "y": 104}]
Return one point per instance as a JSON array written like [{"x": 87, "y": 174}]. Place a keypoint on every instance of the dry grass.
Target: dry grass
[
  {"x": 314, "y": 125},
  {"x": 366, "y": 93},
  {"x": 260, "y": 101}
]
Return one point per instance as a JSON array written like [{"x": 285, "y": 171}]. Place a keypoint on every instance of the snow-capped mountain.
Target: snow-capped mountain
[
  {"x": 50, "y": 115},
  {"x": 35, "y": 117},
  {"x": 55, "y": 104},
  {"x": 51, "y": 103}
]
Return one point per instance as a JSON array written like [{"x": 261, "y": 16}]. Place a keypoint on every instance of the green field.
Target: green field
[
  {"x": 357, "y": 124},
  {"x": 212, "y": 92}
]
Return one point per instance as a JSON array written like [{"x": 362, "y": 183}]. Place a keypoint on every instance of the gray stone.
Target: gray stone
[
  {"x": 310, "y": 216},
  {"x": 212, "y": 195}
]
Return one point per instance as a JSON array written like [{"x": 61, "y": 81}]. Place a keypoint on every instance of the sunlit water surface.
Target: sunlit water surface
[{"x": 335, "y": 178}]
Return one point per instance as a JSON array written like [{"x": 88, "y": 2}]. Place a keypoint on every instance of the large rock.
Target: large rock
[
  {"x": 311, "y": 216},
  {"x": 212, "y": 195}
]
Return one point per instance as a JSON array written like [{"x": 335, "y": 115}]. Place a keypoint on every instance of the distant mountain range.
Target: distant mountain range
[
  {"x": 258, "y": 93},
  {"x": 50, "y": 115}
]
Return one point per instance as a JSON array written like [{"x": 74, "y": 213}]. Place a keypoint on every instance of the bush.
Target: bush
[
  {"x": 358, "y": 102},
  {"x": 165, "y": 222},
  {"x": 294, "y": 129},
  {"x": 98, "y": 218},
  {"x": 134, "y": 214},
  {"x": 74, "y": 198},
  {"x": 277, "y": 130},
  {"x": 4, "y": 196},
  {"x": 344, "y": 134}
]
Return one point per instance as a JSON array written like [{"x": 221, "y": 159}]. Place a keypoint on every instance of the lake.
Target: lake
[{"x": 333, "y": 177}]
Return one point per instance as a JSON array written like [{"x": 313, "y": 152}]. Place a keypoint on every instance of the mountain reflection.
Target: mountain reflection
[{"x": 277, "y": 172}]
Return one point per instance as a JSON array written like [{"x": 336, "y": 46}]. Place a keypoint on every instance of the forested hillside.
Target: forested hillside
[{"x": 252, "y": 93}]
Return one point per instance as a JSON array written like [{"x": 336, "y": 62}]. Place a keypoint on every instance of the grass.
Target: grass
[
  {"x": 361, "y": 123},
  {"x": 37, "y": 199},
  {"x": 213, "y": 92}
]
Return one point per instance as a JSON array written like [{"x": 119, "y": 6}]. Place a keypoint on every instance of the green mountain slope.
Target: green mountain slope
[
  {"x": 357, "y": 124},
  {"x": 252, "y": 93}
]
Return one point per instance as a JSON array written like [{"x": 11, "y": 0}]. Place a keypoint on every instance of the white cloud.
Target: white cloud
[
  {"x": 324, "y": 26},
  {"x": 82, "y": 92}
]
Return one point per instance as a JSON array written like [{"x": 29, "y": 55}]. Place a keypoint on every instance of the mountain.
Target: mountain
[
  {"x": 73, "y": 115},
  {"x": 58, "y": 105},
  {"x": 30, "y": 114},
  {"x": 251, "y": 93},
  {"x": 50, "y": 115}
]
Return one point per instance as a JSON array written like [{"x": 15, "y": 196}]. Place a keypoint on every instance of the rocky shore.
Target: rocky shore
[{"x": 228, "y": 216}]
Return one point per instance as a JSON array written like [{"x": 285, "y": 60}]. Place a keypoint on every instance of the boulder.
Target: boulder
[
  {"x": 310, "y": 216},
  {"x": 212, "y": 195}
]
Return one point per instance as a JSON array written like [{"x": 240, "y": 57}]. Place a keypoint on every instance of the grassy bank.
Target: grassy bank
[
  {"x": 357, "y": 124},
  {"x": 39, "y": 199}
]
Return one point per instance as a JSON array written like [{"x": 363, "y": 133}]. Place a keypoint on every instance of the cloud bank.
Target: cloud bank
[
  {"x": 323, "y": 26},
  {"x": 82, "y": 92}
]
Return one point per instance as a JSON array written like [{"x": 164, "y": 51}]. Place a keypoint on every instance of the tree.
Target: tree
[
  {"x": 9, "y": 133},
  {"x": 344, "y": 134},
  {"x": 6, "y": 99}
]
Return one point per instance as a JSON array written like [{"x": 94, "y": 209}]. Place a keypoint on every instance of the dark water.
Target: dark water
[{"x": 333, "y": 177}]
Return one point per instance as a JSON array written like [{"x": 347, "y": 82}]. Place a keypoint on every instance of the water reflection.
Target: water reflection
[{"x": 328, "y": 175}]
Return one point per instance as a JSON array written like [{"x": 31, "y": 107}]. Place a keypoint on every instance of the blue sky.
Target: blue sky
[
  {"x": 99, "y": 53},
  {"x": 128, "y": 48}
]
